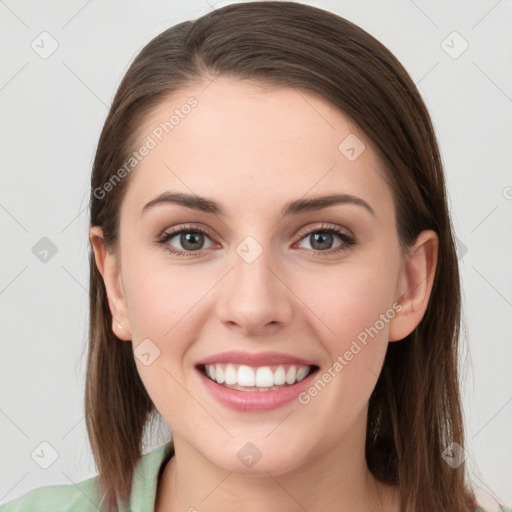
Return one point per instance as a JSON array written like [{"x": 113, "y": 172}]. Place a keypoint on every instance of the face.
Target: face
[{"x": 245, "y": 278}]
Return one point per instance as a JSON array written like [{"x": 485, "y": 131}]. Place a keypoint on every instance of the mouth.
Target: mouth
[
  {"x": 247, "y": 382},
  {"x": 256, "y": 379}
]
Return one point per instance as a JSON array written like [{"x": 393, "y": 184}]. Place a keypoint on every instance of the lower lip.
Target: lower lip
[{"x": 253, "y": 401}]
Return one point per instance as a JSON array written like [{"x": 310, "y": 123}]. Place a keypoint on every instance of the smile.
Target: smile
[
  {"x": 262, "y": 378},
  {"x": 247, "y": 382}
]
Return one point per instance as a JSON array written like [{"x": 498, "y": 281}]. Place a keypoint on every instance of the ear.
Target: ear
[
  {"x": 415, "y": 285},
  {"x": 109, "y": 267}
]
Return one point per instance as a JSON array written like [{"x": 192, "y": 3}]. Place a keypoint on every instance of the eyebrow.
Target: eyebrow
[{"x": 294, "y": 207}]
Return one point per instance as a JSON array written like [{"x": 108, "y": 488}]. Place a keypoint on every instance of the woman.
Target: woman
[{"x": 273, "y": 272}]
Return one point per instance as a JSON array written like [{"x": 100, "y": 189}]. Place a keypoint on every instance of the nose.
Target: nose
[{"x": 254, "y": 297}]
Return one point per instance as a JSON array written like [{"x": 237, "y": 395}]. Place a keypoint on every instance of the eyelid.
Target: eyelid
[
  {"x": 168, "y": 234},
  {"x": 324, "y": 227},
  {"x": 175, "y": 230},
  {"x": 348, "y": 239}
]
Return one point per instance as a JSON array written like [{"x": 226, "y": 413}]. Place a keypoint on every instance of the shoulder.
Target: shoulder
[
  {"x": 85, "y": 496},
  {"x": 82, "y": 496}
]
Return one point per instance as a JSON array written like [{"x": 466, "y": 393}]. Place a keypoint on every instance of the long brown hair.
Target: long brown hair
[{"x": 415, "y": 410}]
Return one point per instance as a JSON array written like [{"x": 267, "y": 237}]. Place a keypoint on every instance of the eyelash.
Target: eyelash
[{"x": 348, "y": 240}]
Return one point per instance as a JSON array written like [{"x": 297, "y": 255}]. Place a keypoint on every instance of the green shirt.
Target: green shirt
[{"x": 84, "y": 496}]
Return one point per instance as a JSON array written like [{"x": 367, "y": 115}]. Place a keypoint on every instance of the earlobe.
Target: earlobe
[
  {"x": 415, "y": 284},
  {"x": 109, "y": 268}
]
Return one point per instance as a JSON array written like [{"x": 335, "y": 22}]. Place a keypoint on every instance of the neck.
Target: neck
[{"x": 338, "y": 479}]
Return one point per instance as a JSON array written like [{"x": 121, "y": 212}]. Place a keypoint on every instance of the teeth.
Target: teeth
[
  {"x": 291, "y": 374},
  {"x": 219, "y": 374},
  {"x": 264, "y": 377},
  {"x": 230, "y": 375},
  {"x": 246, "y": 376},
  {"x": 279, "y": 376},
  {"x": 301, "y": 373}
]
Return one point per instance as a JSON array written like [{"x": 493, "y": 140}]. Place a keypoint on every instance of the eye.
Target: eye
[
  {"x": 326, "y": 238},
  {"x": 189, "y": 241},
  {"x": 185, "y": 240}
]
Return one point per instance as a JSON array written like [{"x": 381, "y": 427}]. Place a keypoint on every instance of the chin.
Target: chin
[{"x": 257, "y": 459}]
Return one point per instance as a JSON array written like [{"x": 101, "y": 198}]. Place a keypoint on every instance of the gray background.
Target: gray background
[{"x": 52, "y": 110}]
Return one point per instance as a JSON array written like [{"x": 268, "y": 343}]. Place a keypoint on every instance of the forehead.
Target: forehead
[{"x": 237, "y": 139}]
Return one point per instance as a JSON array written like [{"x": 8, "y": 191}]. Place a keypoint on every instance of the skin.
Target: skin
[{"x": 252, "y": 149}]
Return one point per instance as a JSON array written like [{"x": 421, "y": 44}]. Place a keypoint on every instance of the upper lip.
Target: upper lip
[{"x": 254, "y": 359}]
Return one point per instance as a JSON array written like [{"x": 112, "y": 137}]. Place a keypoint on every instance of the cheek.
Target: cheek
[
  {"x": 166, "y": 305},
  {"x": 352, "y": 314},
  {"x": 350, "y": 302},
  {"x": 160, "y": 297},
  {"x": 162, "y": 307}
]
